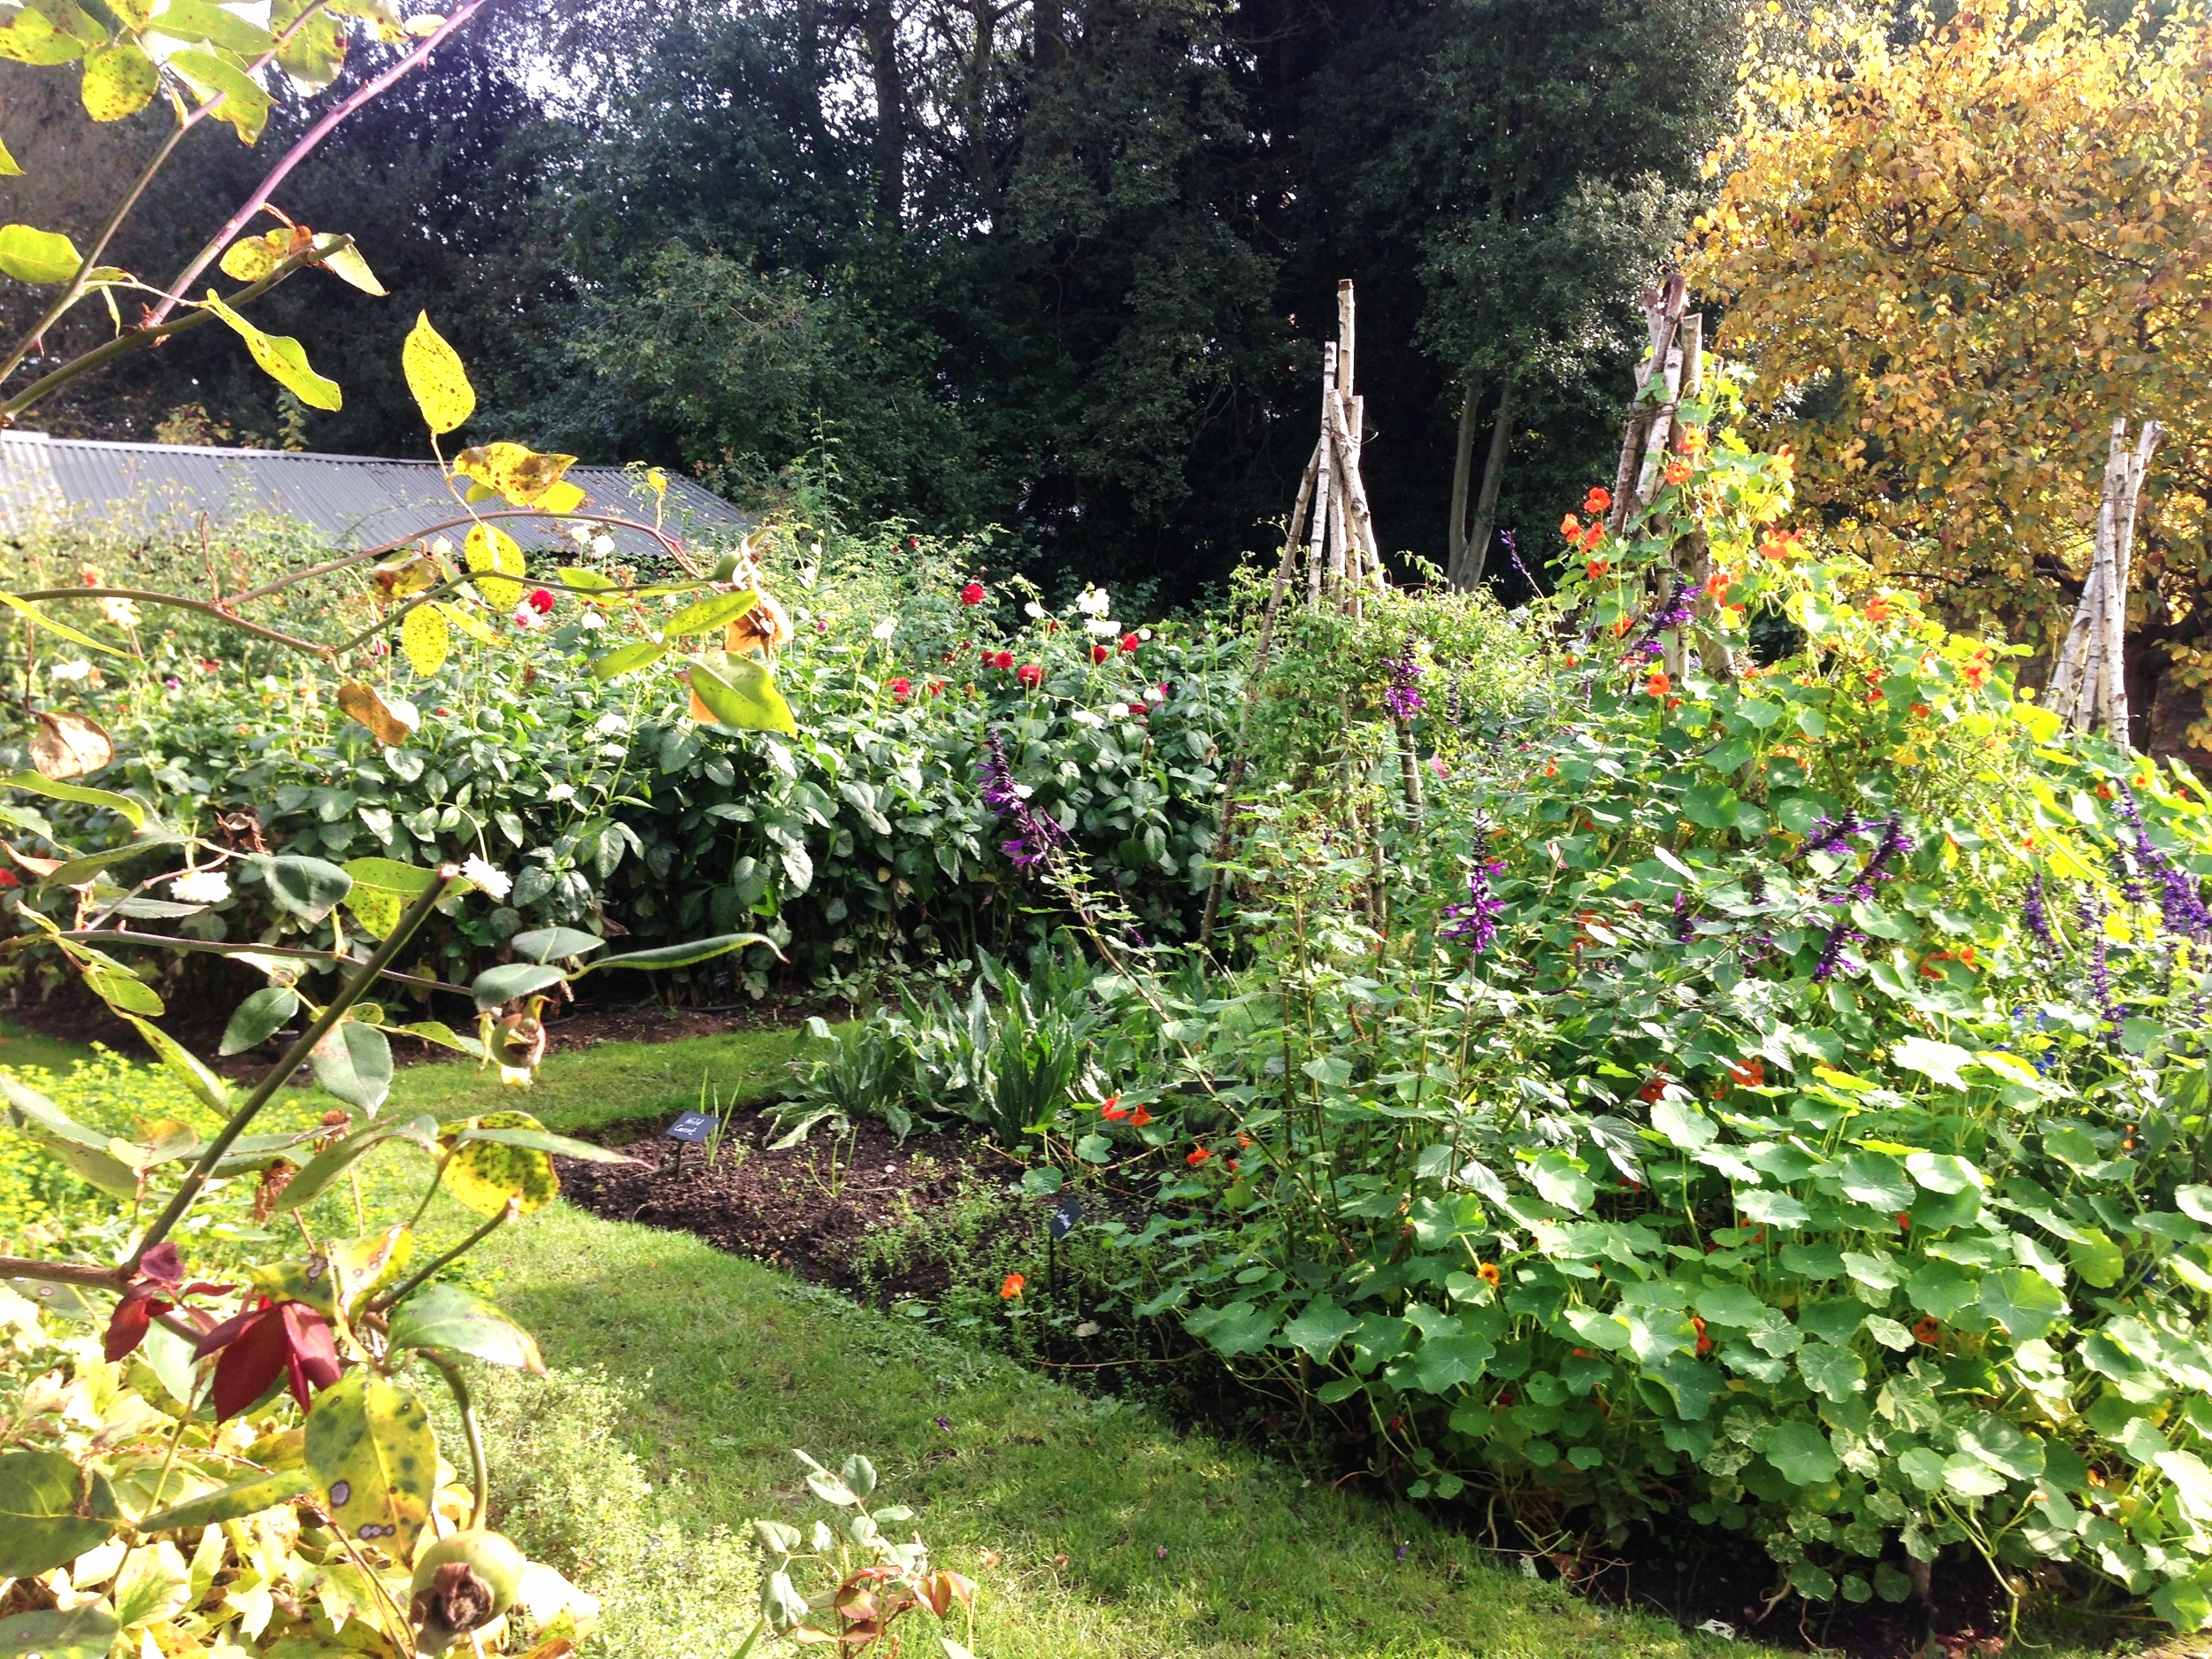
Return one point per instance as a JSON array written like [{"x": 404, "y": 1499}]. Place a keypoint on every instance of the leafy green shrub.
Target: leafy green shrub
[{"x": 859, "y": 840}]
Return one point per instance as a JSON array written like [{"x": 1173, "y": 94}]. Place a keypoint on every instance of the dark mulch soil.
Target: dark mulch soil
[{"x": 801, "y": 1208}]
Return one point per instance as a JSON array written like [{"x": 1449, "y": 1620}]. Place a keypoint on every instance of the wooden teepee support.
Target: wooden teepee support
[
  {"x": 2089, "y": 685},
  {"x": 1330, "y": 526}
]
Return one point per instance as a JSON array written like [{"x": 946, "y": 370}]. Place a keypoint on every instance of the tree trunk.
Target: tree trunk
[
  {"x": 880, "y": 31},
  {"x": 1462, "y": 478},
  {"x": 1492, "y": 475}
]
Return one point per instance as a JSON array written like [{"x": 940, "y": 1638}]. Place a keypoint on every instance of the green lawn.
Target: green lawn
[{"x": 683, "y": 1378}]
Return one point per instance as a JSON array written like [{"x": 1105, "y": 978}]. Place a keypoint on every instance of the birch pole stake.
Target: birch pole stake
[
  {"x": 2088, "y": 687},
  {"x": 1317, "y": 546}
]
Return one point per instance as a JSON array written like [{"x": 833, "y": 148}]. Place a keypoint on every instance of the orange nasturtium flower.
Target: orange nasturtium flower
[
  {"x": 1598, "y": 501},
  {"x": 1878, "y": 610},
  {"x": 1012, "y": 1288},
  {"x": 1658, "y": 686},
  {"x": 1598, "y": 568},
  {"x": 1678, "y": 471},
  {"x": 1570, "y": 527},
  {"x": 1489, "y": 1275},
  {"x": 1926, "y": 1332},
  {"x": 1197, "y": 1155},
  {"x": 1693, "y": 440}
]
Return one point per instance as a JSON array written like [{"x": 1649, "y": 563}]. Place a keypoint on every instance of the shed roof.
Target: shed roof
[{"x": 356, "y": 501}]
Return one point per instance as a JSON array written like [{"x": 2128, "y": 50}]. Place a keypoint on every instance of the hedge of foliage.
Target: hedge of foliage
[{"x": 861, "y": 842}]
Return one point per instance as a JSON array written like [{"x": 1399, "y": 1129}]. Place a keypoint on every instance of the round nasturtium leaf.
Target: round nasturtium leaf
[{"x": 483, "y": 1175}]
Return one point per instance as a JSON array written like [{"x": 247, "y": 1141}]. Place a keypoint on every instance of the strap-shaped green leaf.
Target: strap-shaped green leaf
[
  {"x": 681, "y": 955},
  {"x": 23, "y": 607},
  {"x": 187, "y": 1066},
  {"x": 132, "y": 812},
  {"x": 233, "y": 1503}
]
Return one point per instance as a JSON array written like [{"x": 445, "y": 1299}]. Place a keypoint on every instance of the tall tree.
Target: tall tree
[{"x": 1955, "y": 258}]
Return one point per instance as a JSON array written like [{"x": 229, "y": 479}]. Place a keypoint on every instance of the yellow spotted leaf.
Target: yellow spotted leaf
[
  {"x": 282, "y": 358},
  {"x": 251, "y": 258},
  {"x": 517, "y": 471},
  {"x": 459, "y": 616},
  {"x": 483, "y": 1175},
  {"x": 374, "y": 1459},
  {"x": 375, "y": 910},
  {"x": 366, "y": 1265},
  {"x": 309, "y": 1283},
  {"x": 435, "y": 376},
  {"x": 343, "y": 261},
  {"x": 426, "y": 638},
  {"x": 561, "y": 497},
  {"x": 488, "y": 548},
  {"x": 118, "y": 81}
]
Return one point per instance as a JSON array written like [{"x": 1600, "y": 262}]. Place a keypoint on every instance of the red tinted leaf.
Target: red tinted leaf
[
  {"x": 287, "y": 1339},
  {"x": 126, "y": 1329},
  {"x": 162, "y": 1265}
]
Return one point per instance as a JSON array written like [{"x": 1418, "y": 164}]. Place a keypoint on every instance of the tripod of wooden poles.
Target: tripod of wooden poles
[{"x": 1330, "y": 528}]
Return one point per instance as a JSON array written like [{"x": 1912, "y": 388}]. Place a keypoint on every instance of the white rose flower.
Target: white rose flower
[
  {"x": 496, "y": 882},
  {"x": 1101, "y": 627},
  {"x": 1093, "y": 601},
  {"x": 1144, "y": 634},
  {"x": 78, "y": 670},
  {"x": 1033, "y": 609},
  {"x": 201, "y": 886},
  {"x": 592, "y": 618},
  {"x": 885, "y": 628}
]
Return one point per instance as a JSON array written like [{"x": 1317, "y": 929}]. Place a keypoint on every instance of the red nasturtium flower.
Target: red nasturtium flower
[
  {"x": 1197, "y": 1155},
  {"x": 1655, "y": 1088},
  {"x": 7, "y": 879},
  {"x": 1658, "y": 686},
  {"x": 1600, "y": 500},
  {"x": 972, "y": 594},
  {"x": 1139, "y": 1118},
  {"x": 282, "y": 1340},
  {"x": 1926, "y": 1332},
  {"x": 1597, "y": 568},
  {"x": 1012, "y": 1287},
  {"x": 1030, "y": 674},
  {"x": 1111, "y": 1109}
]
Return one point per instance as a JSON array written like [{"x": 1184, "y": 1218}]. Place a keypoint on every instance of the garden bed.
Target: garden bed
[{"x": 797, "y": 1209}]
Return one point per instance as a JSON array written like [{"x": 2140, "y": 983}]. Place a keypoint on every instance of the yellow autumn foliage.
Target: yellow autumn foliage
[{"x": 1953, "y": 262}]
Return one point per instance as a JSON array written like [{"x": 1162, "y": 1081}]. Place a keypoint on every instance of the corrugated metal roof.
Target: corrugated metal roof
[{"x": 355, "y": 500}]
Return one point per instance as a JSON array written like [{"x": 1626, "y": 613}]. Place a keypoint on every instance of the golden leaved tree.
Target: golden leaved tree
[{"x": 1954, "y": 261}]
